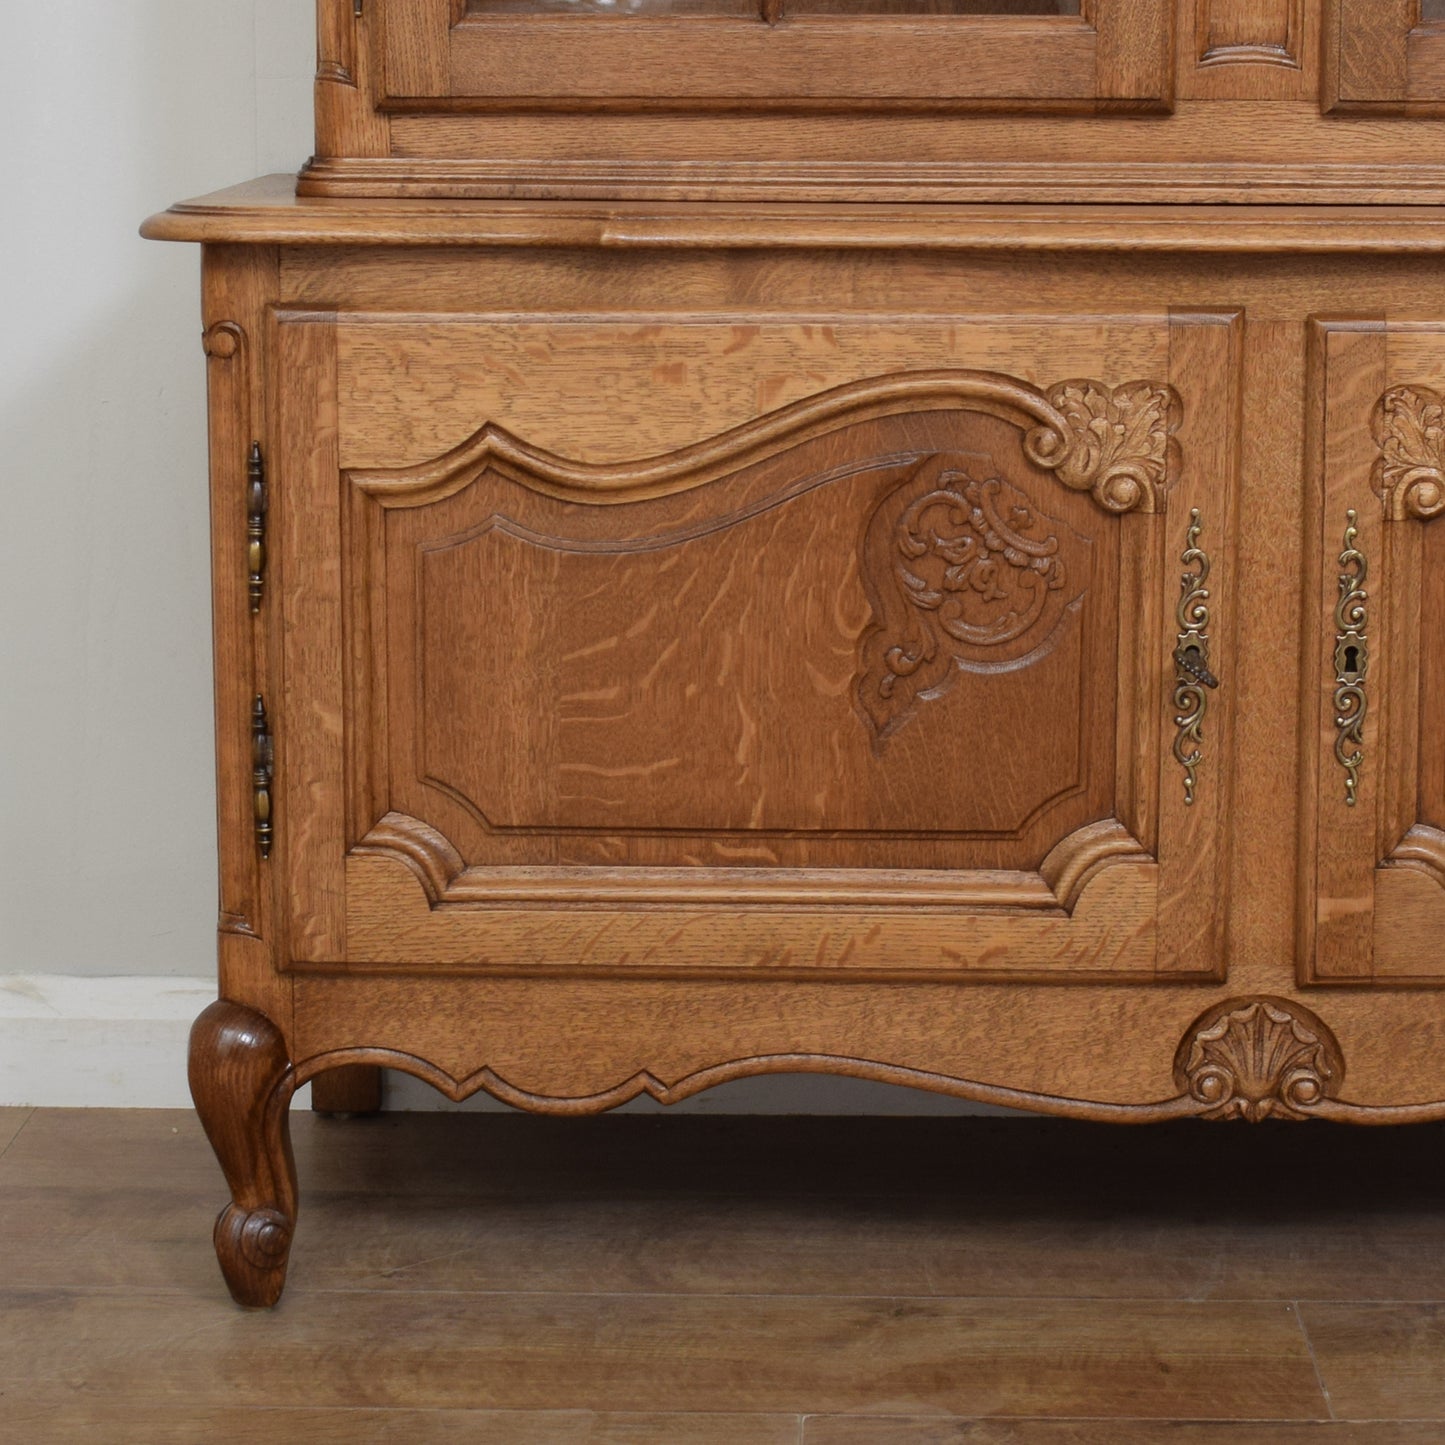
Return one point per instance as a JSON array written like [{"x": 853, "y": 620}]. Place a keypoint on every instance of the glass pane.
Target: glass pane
[
  {"x": 1432, "y": 9},
  {"x": 654, "y": 8},
  {"x": 933, "y": 7},
  {"x": 755, "y": 8}
]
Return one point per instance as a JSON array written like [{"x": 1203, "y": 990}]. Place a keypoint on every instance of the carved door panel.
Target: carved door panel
[
  {"x": 819, "y": 648},
  {"x": 581, "y": 54},
  {"x": 1375, "y": 778},
  {"x": 1385, "y": 55}
]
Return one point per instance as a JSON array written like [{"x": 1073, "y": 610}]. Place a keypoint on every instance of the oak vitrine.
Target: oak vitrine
[{"x": 686, "y": 610}]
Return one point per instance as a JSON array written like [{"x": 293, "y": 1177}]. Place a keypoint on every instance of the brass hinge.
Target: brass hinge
[
  {"x": 263, "y": 765},
  {"x": 256, "y": 504}
]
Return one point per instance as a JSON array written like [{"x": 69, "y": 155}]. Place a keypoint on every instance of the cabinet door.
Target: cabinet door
[
  {"x": 1375, "y": 615},
  {"x": 1385, "y": 55},
  {"x": 828, "y": 647},
  {"x": 568, "y": 54}
]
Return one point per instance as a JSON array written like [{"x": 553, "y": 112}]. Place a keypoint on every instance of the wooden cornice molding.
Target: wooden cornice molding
[{"x": 268, "y": 212}]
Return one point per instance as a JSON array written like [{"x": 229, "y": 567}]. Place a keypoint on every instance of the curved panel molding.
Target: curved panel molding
[
  {"x": 1115, "y": 443},
  {"x": 1423, "y": 850},
  {"x": 1058, "y": 887}
]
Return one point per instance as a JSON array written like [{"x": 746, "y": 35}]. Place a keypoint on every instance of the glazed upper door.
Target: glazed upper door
[
  {"x": 817, "y": 647},
  {"x": 1374, "y": 863},
  {"x": 570, "y": 54},
  {"x": 1385, "y": 55}
]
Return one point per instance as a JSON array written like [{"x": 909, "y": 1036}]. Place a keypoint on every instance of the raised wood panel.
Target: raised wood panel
[
  {"x": 1383, "y": 55},
  {"x": 1249, "y": 32},
  {"x": 718, "y": 662},
  {"x": 926, "y": 60},
  {"x": 793, "y": 666},
  {"x": 1375, "y": 848}
]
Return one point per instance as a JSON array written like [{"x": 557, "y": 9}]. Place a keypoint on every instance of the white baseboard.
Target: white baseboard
[
  {"x": 102, "y": 1043},
  {"x": 120, "y": 1043}
]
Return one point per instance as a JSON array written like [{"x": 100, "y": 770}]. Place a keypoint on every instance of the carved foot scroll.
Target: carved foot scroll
[{"x": 241, "y": 1081}]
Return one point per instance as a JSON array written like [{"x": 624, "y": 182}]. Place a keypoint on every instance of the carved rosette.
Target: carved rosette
[
  {"x": 1117, "y": 443},
  {"x": 1409, "y": 429},
  {"x": 963, "y": 572},
  {"x": 1257, "y": 1059}
]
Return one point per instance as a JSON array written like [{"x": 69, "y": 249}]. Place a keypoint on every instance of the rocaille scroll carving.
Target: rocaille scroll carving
[
  {"x": 1258, "y": 1058},
  {"x": 1409, "y": 429},
  {"x": 960, "y": 568}
]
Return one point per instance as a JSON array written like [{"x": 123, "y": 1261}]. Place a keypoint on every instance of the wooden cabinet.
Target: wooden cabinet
[
  {"x": 802, "y": 646},
  {"x": 686, "y": 611}
]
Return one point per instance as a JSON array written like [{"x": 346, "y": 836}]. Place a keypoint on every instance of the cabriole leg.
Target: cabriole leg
[{"x": 241, "y": 1083}]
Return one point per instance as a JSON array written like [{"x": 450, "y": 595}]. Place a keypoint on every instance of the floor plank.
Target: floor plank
[
  {"x": 11, "y": 1123},
  {"x": 871, "y": 1430},
  {"x": 47, "y": 1424},
  {"x": 1381, "y": 1360},
  {"x": 975, "y": 1282},
  {"x": 125, "y": 1200},
  {"x": 779, "y": 1354}
]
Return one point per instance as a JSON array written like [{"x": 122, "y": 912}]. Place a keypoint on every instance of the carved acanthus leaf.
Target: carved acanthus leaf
[
  {"x": 1258, "y": 1058},
  {"x": 1409, "y": 428},
  {"x": 1117, "y": 443}
]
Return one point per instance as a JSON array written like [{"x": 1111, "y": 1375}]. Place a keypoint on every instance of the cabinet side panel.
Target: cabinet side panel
[{"x": 239, "y": 282}]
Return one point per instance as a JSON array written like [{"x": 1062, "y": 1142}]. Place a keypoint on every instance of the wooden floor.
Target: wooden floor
[{"x": 503, "y": 1280}]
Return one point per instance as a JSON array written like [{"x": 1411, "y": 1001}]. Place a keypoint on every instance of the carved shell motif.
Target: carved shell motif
[
  {"x": 1117, "y": 444},
  {"x": 1409, "y": 428},
  {"x": 1258, "y": 1058}
]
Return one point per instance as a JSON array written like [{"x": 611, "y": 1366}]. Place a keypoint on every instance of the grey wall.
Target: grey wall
[{"x": 107, "y": 852}]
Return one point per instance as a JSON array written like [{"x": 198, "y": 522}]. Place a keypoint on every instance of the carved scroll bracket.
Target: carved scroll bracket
[
  {"x": 1409, "y": 429},
  {"x": 1116, "y": 443}
]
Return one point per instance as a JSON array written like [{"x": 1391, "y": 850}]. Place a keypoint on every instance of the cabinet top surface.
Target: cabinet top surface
[{"x": 268, "y": 212}]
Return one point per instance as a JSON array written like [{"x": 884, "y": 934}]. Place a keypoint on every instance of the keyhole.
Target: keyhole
[{"x": 1352, "y": 658}]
